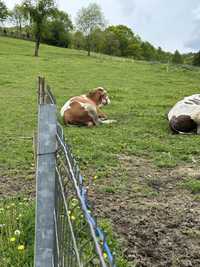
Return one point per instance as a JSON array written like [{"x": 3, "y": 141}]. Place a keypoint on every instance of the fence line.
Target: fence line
[{"x": 77, "y": 240}]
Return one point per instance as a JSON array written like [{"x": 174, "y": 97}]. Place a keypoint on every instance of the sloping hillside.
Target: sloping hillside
[{"x": 141, "y": 176}]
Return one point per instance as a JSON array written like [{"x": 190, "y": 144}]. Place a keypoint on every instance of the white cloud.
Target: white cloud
[{"x": 194, "y": 41}]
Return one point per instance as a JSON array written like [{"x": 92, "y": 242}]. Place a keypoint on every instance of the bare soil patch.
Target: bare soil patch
[
  {"x": 158, "y": 220},
  {"x": 14, "y": 183}
]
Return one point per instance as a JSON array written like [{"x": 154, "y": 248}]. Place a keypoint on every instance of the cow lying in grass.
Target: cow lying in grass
[
  {"x": 184, "y": 117},
  {"x": 85, "y": 109}
]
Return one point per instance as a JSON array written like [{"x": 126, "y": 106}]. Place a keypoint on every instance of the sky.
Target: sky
[{"x": 170, "y": 24}]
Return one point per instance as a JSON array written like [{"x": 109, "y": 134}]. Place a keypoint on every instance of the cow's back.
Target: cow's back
[{"x": 188, "y": 106}]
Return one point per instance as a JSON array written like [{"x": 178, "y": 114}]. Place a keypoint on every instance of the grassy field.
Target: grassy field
[
  {"x": 132, "y": 160},
  {"x": 141, "y": 94}
]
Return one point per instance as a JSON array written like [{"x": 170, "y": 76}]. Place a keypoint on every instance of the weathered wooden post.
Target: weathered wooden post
[{"x": 45, "y": 183}]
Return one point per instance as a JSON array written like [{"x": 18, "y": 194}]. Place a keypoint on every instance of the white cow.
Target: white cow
[{"x": 184, "y": 117}]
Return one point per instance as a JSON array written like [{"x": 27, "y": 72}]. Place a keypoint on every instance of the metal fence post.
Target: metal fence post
[{"x": 45, "y": 186}]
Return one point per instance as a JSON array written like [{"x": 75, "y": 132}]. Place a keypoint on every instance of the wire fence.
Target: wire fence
[{"x": 77, "y": 240}]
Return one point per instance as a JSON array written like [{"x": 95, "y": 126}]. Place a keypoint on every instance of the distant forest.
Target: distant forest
[{"x": 42, "y": 21}]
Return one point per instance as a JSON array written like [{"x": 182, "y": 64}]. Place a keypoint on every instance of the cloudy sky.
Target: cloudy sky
[{"x": 171, "y": 24}]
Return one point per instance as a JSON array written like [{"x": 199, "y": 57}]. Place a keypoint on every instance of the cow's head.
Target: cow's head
[{"x": 99, "y": 96}]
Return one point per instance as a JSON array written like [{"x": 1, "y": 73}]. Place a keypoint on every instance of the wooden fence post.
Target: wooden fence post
[{"x": 45, "y": 186}]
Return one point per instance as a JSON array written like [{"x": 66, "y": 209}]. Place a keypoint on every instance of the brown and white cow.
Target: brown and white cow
[
  {"x": 184, "y": 117},
  {"x": 85, "y": 109}
]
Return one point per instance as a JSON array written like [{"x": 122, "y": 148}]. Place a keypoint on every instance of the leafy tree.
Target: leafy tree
[
  {"x": 39, "y": 11},
  {"x": 111, "y": 44},
  {"x": 196, "y": 59},
  {"x": 18, "y": 18},
  {"x": 3, "y": 12},
  {"x": 57, "y": 29},
  {"x": 148, "y": 51},
  {"x": 177, "y": 58},
  {"x": 78, "y": 40},
  {"x": 124, "y": 35},
  {"x": 134, "y": 50},
  {"x": 159, "y": 54},
  {"x": 97, "y": 39},
  {"x": 88, "y": 19}
]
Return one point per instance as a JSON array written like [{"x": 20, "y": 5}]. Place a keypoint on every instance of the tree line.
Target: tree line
[{"x": 42, "y": 21}]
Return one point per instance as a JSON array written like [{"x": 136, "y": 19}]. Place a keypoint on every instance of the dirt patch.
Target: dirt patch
[
  {"x": 158, "y": 220},
  {"x": 14, "y": 183}
]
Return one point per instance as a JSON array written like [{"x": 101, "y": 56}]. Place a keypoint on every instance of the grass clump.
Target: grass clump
[
  {"x": 114, "y": 244},
  {"x": 192, "y": 185},
  {"x": 16, "y": 232}
]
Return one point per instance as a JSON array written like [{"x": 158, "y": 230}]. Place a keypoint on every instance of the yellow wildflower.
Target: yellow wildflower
[
  {"x": 105, "y": 255},
  {"x": 20, "y": 247},
  {"x": 73, "y": 218},
  {"x": 12, "y": 239}
]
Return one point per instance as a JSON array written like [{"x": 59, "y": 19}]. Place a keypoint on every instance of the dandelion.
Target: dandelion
[
  {"x": 95, "y": 177},
  {"x": 105, "y": 255},
  {"x": 17, "y": 232},
  {"x": 73, "y": 218},
  {"x": 20, "y": 247},
  {"x": 12, "y": 239}
]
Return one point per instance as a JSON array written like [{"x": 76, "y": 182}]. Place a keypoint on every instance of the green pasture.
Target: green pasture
[{"x": 141, "y": 94}]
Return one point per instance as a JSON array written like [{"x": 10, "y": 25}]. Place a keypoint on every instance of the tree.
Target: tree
[
  {"x": 18, "y": 17},
  {"x": 177, "y": 58},
  {"x": 111, "y": 44},
  {"x": 88, "y": 19},
  {"x": 39, "y": 11},
  {"x": 3, "y": 12},
  {"x": 148, "y": 51},
  {"x": 97, "y": 37},
  {"x": 57, "y": 29},
  {"x": 134, "y": 50},
  {"x": 196, "y": 59},
  {"x": 78, "y": 40},
  {"x": 123, "y": 34}
]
